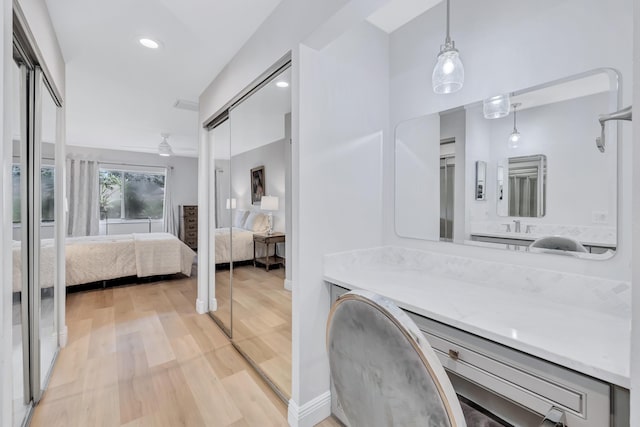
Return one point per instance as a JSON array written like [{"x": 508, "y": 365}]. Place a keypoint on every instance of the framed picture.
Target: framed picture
[{"x": 257, "y": 184}]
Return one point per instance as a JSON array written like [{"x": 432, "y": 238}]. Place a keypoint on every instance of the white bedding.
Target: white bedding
[
  {"x": 95, "y": 258},
  {"x": 242, "y": 245}
]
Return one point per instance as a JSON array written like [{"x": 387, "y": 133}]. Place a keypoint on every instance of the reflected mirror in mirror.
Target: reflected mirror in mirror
[
  {"x": 481, "y": 180},
  {"x": 553, "y": 182},
  {"x": 526, "y": 186}
]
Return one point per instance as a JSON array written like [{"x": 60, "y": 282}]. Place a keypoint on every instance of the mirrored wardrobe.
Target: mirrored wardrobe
[
  {"x": 250, "y": 155},
  {"x": 35, "y": 113}
]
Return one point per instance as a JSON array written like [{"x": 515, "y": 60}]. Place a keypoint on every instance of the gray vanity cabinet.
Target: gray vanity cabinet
[{"x": 515, "y": 386}]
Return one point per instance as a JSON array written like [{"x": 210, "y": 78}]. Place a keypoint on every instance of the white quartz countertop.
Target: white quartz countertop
[{"x": 581, "y": 338}]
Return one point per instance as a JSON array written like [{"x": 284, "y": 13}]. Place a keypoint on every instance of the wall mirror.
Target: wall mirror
[
  {"x": 249, "y": 188},
  {"x": 508, "y": 182}
]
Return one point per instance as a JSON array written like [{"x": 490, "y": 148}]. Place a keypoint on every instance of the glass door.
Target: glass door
[
  {"x": 45, "y": 301},
  {"x": 20, "y": 330}
]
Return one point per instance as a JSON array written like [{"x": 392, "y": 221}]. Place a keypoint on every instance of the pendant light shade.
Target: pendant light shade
[
  {"x": 448, "y": 73},
  {"x": 164, "y": 149},
  {"x": 515, "y": 137},
  {"x": 496, "y": 107}
]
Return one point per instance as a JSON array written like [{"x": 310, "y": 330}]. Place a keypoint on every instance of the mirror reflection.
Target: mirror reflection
[{"x": 514, "y": 179}]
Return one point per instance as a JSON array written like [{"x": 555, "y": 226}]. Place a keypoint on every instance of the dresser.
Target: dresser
[{"x": 189, "y": 225}]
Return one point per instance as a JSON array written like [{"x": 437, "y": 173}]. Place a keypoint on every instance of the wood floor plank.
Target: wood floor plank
[{"x": 140, "y": 356}]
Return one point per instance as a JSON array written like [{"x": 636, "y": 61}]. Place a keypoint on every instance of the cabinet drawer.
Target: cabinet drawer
[{"x": 530, "y": 382}]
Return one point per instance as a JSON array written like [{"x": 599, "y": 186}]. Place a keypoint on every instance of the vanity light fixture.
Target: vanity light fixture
[
  {"x": 149, "y": 43},
  {"x": 514, "y": 137},
  {"x": 282, "y": 84},
  {"x": 448, "y": 73},
  {"x": 496, "y": 107},
  {"x": 164, "y": 149}
]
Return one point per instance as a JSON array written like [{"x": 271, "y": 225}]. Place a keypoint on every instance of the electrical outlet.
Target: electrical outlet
[{"x": 599, "y": 217}]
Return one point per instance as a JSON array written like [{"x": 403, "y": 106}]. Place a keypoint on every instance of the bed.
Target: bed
[
  {"x": 240, "y": 238},
  {"x": 97, "y": 258}
]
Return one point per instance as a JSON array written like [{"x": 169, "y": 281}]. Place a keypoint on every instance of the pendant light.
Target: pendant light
[
  {"x": 448, "y": 74},
  {"x": 496, "y": 107},
  {"x": 514, "y": 137},
  {"x": 164, "y": 149}
]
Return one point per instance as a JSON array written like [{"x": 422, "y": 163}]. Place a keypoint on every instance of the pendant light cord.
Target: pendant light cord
[
  {"x": 448, "y": 38},
  {"x": 515, "y": 111}
]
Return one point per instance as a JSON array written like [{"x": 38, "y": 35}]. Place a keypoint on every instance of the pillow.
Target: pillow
[
  {"x": 240, "y": 218},
  {"x": 257, "y": 222}
]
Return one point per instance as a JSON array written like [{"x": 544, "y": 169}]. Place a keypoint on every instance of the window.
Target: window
[
  {"x": 47, "y": 182},
  {"x": 129, "y": 195}
]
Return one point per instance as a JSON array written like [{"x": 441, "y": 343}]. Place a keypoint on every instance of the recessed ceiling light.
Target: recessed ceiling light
[
  {"x": 282, "y": 84},
  {"x": 151, "y": 44}
]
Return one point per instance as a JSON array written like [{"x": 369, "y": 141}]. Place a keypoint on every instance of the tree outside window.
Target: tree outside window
[{"x": 131, "y": 195}]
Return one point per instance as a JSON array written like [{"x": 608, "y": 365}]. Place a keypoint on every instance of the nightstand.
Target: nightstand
[{"x": 268, "y": 240}]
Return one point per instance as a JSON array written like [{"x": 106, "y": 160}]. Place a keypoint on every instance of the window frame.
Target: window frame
[{"x": 122, "y": 169}]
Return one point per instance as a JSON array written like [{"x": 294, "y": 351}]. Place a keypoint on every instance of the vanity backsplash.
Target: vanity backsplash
[{"x": 611, "y": 297}]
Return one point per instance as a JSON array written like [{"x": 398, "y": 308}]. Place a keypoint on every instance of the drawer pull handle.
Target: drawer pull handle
[
  {"x": 454, "y": 354},
  {"x": 555, "y": 418}
]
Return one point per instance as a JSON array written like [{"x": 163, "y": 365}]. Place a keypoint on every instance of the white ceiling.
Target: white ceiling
[
  {"x": 396, "y": 13},
  {"x": 120, "y": 95}
]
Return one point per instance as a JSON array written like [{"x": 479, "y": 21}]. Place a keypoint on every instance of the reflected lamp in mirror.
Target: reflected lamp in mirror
[
  {"x": 515, "y": 137},
  {"x": 231, "y": 203},
  {"x": 496, "y": 107},
  {"x": 269, "y": 203},
  {"x": 481, "y": 180}
]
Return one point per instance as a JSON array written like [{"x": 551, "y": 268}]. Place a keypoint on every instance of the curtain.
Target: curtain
[
  {"x": 83, "y": 197},
  {"x": 170, "y": 223}
]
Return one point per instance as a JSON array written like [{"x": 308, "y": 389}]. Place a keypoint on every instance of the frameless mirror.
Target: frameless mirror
[{"x": 465, "y": 178}]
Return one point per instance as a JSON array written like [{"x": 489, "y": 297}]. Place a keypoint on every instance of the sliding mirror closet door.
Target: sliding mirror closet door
[
  {"x": 20, "y": 331},
  {"x": 260, "y": 140},
  {"x": 44, "y": 289},
  {"x": 220, "y": 217}
]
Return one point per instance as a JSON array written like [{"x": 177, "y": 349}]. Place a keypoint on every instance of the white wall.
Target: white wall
[
  {"x": 185, "y": 175},
  {"x": 508, "y": 46},
  {"x": 41, "y": 28},
  {"x": 343, "y": 122}
]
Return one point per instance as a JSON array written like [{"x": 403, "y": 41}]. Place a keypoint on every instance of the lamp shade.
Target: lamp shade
[
  {"x": 269, "y": 203},
  {"x": 496, "y": 107},
  {"x": 448, "y": 73},
  {"x": 231, "y": 203}
]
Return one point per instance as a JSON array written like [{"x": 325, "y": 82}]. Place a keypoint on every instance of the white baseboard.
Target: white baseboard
[
  {"x": 311, "y": 413},
  {"x": 63, "y": 338},
  {"x": 201, "y": 306},
  {"x": 213, "y": 304},
  {"x": 288, "y": 284}
]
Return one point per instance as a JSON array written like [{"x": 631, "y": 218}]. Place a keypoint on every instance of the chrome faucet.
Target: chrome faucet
[
  {"x": 624, "y": 114},
  {"x": 529, "y": 228},
  {"x": 517, "y": 225}
]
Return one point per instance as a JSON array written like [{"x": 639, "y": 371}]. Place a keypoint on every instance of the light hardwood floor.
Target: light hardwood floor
[
  {"x": 261, "y": 319},
  {"x": 141, "y": 356}
]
